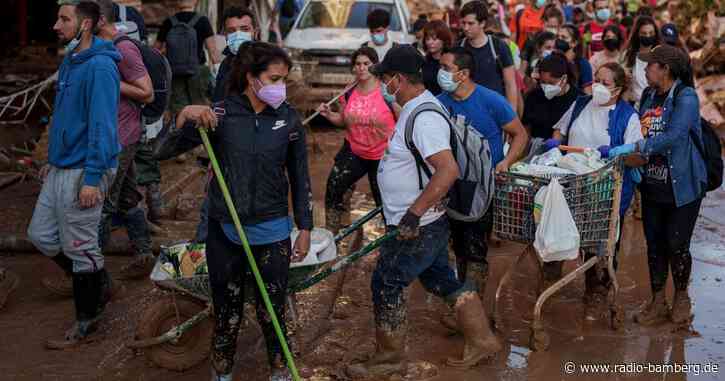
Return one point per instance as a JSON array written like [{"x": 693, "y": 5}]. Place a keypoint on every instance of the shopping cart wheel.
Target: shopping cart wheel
[
  {"x": 540, "y": 339},
  {"x": 193, "y": 345}
]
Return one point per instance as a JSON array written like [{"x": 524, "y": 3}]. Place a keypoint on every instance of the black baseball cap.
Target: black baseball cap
[
  {"x": 669, "y": 34},
  {"x": 400, "y": 59},
  {"x": 665, "y": 54}
]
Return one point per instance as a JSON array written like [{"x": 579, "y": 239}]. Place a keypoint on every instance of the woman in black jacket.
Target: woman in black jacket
[{"x": 260, "y": 143}]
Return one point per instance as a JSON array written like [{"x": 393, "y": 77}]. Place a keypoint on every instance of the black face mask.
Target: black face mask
[
  {"x": 612, "y": 43},
  {"x": 562, "y": 45},
  {"x": 647, "y": 41}
]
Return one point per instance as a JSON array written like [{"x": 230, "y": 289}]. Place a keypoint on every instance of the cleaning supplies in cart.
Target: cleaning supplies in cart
[
  {"x": 557, "y": 237},
  {"x": 548, "y": 158},
  {"x": 581, "y": 162}
]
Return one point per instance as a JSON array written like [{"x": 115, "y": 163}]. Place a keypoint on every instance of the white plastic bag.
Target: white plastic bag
[
  {"x": 581, "y": 163},
  {"x": 557, "y": 237},
  {"x": 549, "y": 158}
]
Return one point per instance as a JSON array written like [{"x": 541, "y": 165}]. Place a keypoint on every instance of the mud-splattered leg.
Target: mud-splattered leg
[{"x": 346, "y": 171}]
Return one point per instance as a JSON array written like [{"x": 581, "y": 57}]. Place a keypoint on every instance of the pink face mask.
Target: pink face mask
[{"x": 273, "y": 95}]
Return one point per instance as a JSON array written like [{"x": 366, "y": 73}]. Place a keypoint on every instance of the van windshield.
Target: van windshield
[{"x": 346, "y": 14}]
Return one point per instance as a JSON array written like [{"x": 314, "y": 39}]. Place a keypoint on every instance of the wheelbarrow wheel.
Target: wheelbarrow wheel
[{"x": 190, "y": 349}]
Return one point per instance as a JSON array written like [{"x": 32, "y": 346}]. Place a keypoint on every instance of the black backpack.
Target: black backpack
[
  {"x": 160, "y": 73},
  {"x": 182, "y": 47},
  {"x": 710, "y": 149},
  {"x": 288, "y": 9}
]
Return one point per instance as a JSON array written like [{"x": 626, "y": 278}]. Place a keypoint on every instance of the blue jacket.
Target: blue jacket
[
  {"x": 618, "y": 120},
  {"x": 687, "y": 167},
  {"x": 84, "y": 133}
]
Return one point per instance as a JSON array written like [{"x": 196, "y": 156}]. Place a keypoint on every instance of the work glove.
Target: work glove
[
  {"x": 552, "y": 143},
  {"x": 621, "y": 150},
  {"x": 604, "y": 150},
  {"x": 409, "y": 226}
]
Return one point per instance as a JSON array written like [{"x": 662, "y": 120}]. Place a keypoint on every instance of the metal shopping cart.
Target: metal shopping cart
[{"x": 593, "y": 199}]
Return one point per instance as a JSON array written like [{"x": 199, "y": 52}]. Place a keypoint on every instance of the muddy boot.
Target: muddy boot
[
  {"x": 280, "y": 374},
  {"x": 138, "y": 269},
  {"x": 154, "y": 202},
  {"x": 140, "y": 239},
  {"x": 681, "y": 308},
  {"x": 476, "y": 274},
  {"x": 655, "y": 312},
  {"x": 8, "y": 283},
  {"x": 63, "y": 285},
  {"x": 389, "y": 357},
  {"x": 87, "y": 291},
  {"x": 220, "y": 377},
  {"x": 480, "y": 342}
]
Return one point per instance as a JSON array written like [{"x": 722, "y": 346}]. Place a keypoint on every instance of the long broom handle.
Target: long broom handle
[
  {"x": 248, "y": 252},
  {"x": 331, "y": 101}
]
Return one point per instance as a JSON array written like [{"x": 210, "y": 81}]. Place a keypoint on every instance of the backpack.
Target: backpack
[
  {"x": 710, "y": 148},
  {"x": 288, "y": 9},
  {"x": 160, "y": 72},
  {"x": 496, "y": 58},
  {"x": 470, "y": 196},
  {"x": 182, "y": 47},
  {"x": 124, "y": 25}
]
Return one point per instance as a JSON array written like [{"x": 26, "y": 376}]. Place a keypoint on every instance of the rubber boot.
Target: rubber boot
[
  {"x": 87, "y": 295},
  {"x": 389, "y": 357},
  {"x": 480, "y": 342},
  {"x": 595, "y": 299},
  {"x": 681, "y": 308},
  {"x": 63, "y": 285},
  {"x": 655, "y": 312},
  {"x": 140, "y": 238},
  {"x": 8, "y": 283},
  {"x": 476, "y": 275},
  {"x": 220, "y": 377},
  {"x": 154, "y": 202}
]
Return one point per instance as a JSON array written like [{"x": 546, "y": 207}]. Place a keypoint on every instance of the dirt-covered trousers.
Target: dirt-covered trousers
[
  {"x": 469, "y": 240},
  {"x": 124, "y": 194},
  {"x": 228, "y": 272},
  {"x": 668, "y": 230},
  {"x": 403, "y": 261},
  {"x": 347, "y": 170},
  {"x": 59, "y": 224}
]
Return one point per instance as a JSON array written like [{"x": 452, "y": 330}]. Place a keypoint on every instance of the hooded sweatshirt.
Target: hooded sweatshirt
[{"x": 84, "y": 133}]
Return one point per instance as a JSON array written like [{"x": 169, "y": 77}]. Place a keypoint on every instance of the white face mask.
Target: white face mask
[
  {"x": 73, "y": 44},
  {"x": 600, "y": 94},
  {"x": 550, "y": 91},
  {"x": 236, "y": 39}
]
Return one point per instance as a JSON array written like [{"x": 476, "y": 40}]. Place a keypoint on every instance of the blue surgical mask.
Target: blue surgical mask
[
  {"x": 446, "y": 82},
  {"x": 603, "y": 14},
  {"x": 540, "y": 3},
  {"x": 236, "y": 39},
  {"x": 378, "y": 38},
  {"x": 73, "y": 44},
  {"x": 389, "y": 98}
]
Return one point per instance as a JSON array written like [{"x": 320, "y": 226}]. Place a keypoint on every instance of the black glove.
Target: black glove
[{"x": 408, "y": 228}]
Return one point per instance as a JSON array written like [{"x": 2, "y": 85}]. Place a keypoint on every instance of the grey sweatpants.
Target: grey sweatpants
[{"x": 59, "y": 224}]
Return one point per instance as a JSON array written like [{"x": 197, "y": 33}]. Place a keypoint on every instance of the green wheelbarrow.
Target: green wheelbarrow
[{"x": 175, "y": 332}]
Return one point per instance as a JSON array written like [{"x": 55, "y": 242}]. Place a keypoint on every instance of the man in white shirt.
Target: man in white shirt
[
  {"x": 415, "y": 207},
  {"x": 379, "y": 24}
]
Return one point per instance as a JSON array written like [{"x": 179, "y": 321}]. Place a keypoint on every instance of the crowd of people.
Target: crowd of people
[{"x": 597, "y": 74}]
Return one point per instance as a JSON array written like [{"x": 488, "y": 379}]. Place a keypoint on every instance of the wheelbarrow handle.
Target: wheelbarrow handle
[
  {"x": 357, "y": 224},
  {"x": 341, "y": 263}
]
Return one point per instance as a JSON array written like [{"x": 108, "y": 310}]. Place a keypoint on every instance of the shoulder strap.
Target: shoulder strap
[
  {"x": 410, "y": 125},
  {"x": 174, "y": 21},
  {"x": 695, "y": 139},
  {"x": 194, "y": 20},
  {"x": 493, "y": 48},
  {"x": 579, "y": 105},
  {"x": 122, "y": 12}
]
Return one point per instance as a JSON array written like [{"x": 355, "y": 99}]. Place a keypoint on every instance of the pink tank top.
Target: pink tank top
[{"x": 370, "y": 124}]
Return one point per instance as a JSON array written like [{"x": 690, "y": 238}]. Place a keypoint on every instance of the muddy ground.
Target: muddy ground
[{"x": 327, "y": 342}]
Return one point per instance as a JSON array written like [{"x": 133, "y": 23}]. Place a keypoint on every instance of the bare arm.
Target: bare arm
[
  {"x": 519, "y": 139},
  {"x": 509, "y": 79},
  {"x": 446, "y": 173},
  {"x": 210, "y": 44},
  {"x": 140, "y": 90}
]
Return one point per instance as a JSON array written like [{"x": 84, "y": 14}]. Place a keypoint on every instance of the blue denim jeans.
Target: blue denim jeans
[{"x": 403, "y": 261}]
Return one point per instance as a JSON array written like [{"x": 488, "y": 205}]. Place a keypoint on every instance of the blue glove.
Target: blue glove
[
  {"x": 621, "y": 150},
  {"x": 604, "y": 150},
  {"x": 552, "y": 143},
  {"x": 635, "y": 175}
]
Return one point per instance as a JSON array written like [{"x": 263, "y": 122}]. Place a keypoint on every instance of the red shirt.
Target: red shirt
[{"x": 530, "y": 23}]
